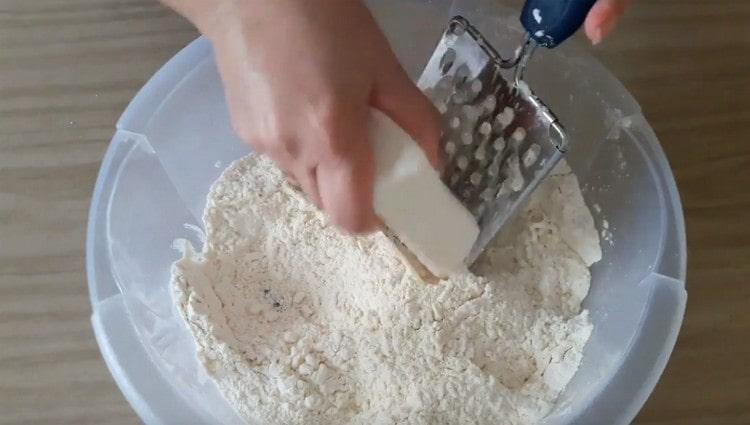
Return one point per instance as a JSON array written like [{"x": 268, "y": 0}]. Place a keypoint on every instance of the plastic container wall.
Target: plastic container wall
[
  {"x": 144, "y": 342},
  {"x": 175, "y": 139}
]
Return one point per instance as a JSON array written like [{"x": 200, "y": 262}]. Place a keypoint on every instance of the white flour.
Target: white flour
[{"x": 299, "y": 324}]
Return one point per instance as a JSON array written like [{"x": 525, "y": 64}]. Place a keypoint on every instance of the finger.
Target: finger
[
  {"x": 308, "y": 181},
  {"x": 283, "y": 162},
  {"x": 397, "y": 96},
  {"x": 305, "y": 181},
  {"x": 296, "y": 172},
  {"x": 346, "y": 188},
  {"x": 292, "y": 180},
  {"x": 603, "y": 17}
]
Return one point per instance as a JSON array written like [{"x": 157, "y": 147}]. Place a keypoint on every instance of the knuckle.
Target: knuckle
[
  {"x": 332, "y": 120},
  {"x": 272, "y": 141},
  {"x": 276, "y": 148},
  {"x": 279, "y": 149},
  {"x": 336, "y": 148},
  {"x": 246, "y": 131},
  {"x": 284, "y": 145}
]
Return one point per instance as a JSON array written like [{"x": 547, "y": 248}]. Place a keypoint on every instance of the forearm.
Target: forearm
[
  {"x": 204, "y": 14},
  {"x": 214, "y": 17}
]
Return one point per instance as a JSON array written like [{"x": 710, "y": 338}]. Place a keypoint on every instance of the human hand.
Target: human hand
[
  {"x": 603, "y": 17},
  {"x": 300, "y": 77}
]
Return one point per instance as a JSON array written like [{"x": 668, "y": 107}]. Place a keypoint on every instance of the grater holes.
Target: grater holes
[
  {"x": 450, "y": 148},
  {"x": 504, "y": 118},
  {"x": 487, "y": 194},
  {"x": 515, "y": 178},
  {"x": 476, "y": 87},
  {"x": 531, "y": 155},
  {"x": 480, "y": 154},
  {"x": 485, "y": 129},
  {"x": 519, "y": 134},
  {"x": 460, "y": 76},
  {"x": 476, "y": 178},
  {"x": 459, "y": 97},
  {"x": 503, "y": 191},
  {"x": 479, "y": 210},
  {"x": 489, "y": 104},
  {"x": 499, "y": 144},
  {"x": 443, "y": 89},
  {"x": 447, "y": 60},
  {"x": 471, "y": 114},
  {"x": 473, "y": 90},
  {"x": 462, "y": 162},
  {"x": 494, "y": 169}
]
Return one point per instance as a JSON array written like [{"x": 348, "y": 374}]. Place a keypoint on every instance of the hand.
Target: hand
[
  {"x": 603, "y": 17},
  {"x": 300, "y": 77}
]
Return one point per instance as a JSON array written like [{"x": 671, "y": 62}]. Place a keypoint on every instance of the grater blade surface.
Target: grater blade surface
[{"x": 499, "y": 139}]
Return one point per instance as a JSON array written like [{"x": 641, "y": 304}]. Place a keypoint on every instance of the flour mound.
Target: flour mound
[{"x": 299, "y": 324}]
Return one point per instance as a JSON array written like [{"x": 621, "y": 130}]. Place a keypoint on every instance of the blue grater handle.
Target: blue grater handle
[{"x": 550, "y": 22}]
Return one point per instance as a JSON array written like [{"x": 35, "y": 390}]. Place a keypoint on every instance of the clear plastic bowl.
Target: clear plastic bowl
[{"x": 175, "y": 139}]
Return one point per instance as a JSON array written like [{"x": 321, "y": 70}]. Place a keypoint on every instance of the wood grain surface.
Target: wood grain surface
[{"x": 68, "y": 69}]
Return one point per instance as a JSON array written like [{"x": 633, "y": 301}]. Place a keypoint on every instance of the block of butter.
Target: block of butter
[{"x": 429, "y": 224}]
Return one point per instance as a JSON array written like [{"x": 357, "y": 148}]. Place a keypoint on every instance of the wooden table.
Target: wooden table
[{"x": 68, "y": 68}]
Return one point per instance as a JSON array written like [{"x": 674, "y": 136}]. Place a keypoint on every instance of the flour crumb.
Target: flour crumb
[
  {"x": 299, "y": 324},
  {"x": 606, "y": 233}
]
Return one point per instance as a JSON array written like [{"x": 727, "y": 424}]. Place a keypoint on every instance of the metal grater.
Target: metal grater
[{"x": 499, "y": 139}]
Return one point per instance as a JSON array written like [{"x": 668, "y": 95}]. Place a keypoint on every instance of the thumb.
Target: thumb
[
  {"x": 397, "y": 96},
  {"x": 603, "y": 17}
]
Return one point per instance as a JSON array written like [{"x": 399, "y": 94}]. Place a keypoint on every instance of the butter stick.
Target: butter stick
[{"x": 416, "y": 206}]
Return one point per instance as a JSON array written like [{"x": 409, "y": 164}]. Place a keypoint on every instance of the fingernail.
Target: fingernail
[
  {"x": 597, "y": 36},
  {"x": 606, "y": 27}
]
